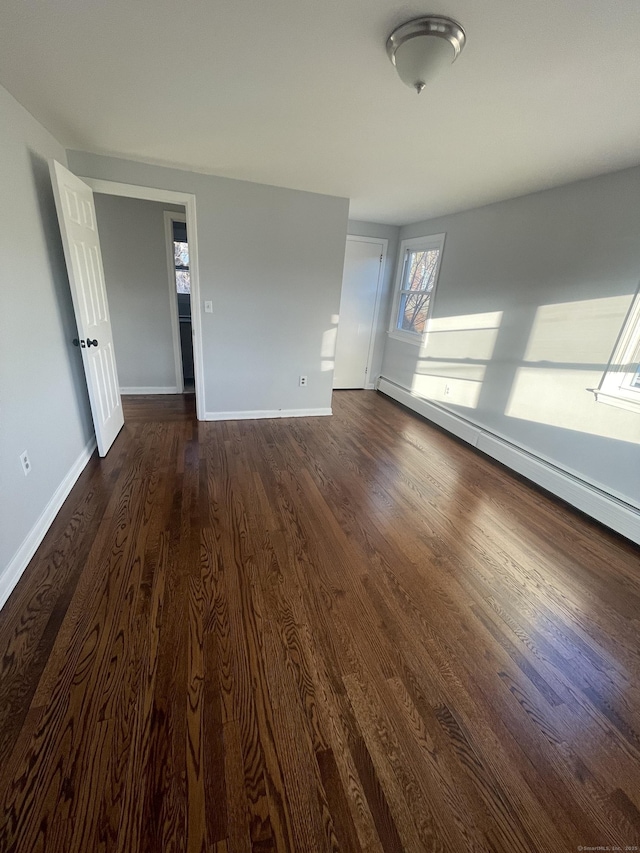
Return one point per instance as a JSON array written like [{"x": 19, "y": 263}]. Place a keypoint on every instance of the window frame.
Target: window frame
[
  {"x": 617, "y": 386},
  {"x": 413, "y": 244}
]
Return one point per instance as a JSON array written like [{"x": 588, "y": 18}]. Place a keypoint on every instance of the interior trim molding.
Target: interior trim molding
[
  {"x": 266, "y": 413},
  {"x": 152, "y": 389},
  {"x": 608, "y": 509},
  {"x": 12, "y": 574}
]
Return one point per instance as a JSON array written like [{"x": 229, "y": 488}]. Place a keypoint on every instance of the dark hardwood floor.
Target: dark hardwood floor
[{"x": 348, "y": 633}]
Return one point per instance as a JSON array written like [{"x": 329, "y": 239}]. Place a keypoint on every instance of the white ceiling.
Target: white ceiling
[{"x": 300, "y": 93}]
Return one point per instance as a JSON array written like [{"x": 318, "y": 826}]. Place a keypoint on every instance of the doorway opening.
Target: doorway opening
[{"x": 186, "y": 214}]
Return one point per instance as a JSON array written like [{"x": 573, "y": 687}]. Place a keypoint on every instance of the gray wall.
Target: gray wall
[
  {"x": 389, "y": 232},
  {"x": 43, "y": 399},
  {"x": 271, "y": 261},
  {"x": 132, "y": 240},
  {"x": 532, "y": 295}
]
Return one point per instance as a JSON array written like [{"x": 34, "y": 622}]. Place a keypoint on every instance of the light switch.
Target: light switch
[{"x": 208, "y": 307}]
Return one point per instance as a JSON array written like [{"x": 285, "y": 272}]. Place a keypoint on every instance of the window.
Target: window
[
  {"x": 418, "y": 269},
  {"x": 181, "y": 261},
  {"x": 620, "y": 384}
]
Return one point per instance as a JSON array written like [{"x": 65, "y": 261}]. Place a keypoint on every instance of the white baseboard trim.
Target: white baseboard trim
[
  {"x": 370, "y": 386},
  {"x": 608, "y": 509},
  {"x": 260, "y": 414},
  {"x": 151, "y": 389},
  {"x": 25, "y": 552}
]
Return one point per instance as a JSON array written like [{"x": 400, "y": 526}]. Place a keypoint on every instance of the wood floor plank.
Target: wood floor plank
[
  {"x": 317, "y": 634},
  {"x": 62, "y": 749}
]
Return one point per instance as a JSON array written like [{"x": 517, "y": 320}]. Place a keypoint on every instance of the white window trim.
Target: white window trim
[
  {"x": 431, "y": 241},
  {"x": 616, "y": 389}
]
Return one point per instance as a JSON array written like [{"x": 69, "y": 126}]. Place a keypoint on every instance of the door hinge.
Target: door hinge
[
  {"x": 380, "y": 258},
  {"x": 366, "y": 370}
]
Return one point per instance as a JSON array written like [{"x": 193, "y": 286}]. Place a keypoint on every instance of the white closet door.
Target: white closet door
[{"x": 360, "y": 284}]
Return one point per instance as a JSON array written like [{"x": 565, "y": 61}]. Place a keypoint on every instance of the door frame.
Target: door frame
[
  {"x": 189, "y": 202},
  {"x": 370, "y": 383},
  {"x": 171, "y": 216}
]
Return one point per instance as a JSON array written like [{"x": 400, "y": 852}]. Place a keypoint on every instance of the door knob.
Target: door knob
[
  {"x": 92, "y": 343},
  {"x": 75, "y": 342}
]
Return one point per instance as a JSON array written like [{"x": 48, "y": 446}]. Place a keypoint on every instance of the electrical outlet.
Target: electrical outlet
[
  {"x": 26, "y": 465},
  {"x": 447, "y": 390},
  {"x": 303, "y": 381}
]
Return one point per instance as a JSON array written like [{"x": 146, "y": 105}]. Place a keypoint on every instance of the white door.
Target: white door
[
  {"x": 77, "y": 218},
  {"x": 358, "y": 310}
]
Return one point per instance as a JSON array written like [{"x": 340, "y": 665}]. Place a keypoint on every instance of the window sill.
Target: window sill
[
  {"x": 620, "y": 401},
  {"x": 407, "y": 338}
]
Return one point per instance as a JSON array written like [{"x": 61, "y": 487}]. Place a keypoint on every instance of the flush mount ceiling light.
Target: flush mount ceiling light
[{"x": 422, "y": 48}]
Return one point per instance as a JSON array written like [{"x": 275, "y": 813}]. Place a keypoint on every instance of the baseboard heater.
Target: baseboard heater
[{"x": 596, "y": 503}]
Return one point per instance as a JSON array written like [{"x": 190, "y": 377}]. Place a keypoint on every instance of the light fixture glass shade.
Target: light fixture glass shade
[
  {"x": 423, "y": 47},
  {"x": 419, "y": 60}
]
